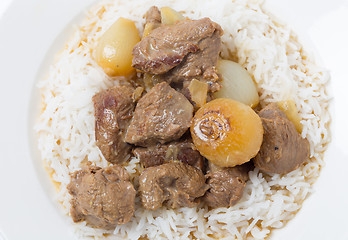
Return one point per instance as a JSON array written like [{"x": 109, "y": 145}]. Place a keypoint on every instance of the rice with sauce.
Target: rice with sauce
[{"x": 274, "y": 58}]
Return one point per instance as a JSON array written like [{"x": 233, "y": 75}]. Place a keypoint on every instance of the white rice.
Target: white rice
[{"x": 270, "y": 52}]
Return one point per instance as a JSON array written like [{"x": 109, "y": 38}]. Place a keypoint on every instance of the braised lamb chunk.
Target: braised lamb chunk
[
  {"x": 161, "y": 115},
  {"x": 172, "y": 184},
  {"x": 186, "y": 152},
  {"x": 183, "y": 151},
  {"x": 151, "y": 156},
  {"x": 113, "y": 112},
  {"x": 226, "y": 185},
  {"x": 153, "y": 15},
  {"x": 200, "y": 65},
  {"x": 283, "y": 149},
  {"x": 181, "y": 52},
  {"x": 102, "y": 197}
]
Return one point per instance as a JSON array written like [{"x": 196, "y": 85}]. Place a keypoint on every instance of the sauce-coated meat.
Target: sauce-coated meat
[
  {"x": 113, "y": 112},
  {"x": 226, "y": 185},
  {"x": 172, "y": 184},
  {"x": 102, "y": 197},
  {"x": 200, "y": 65},
  {"x": 162, "y": 115},
  {"x": 183, "y": 151},
  {"x": 181, "y": 52},
  {"x": 153, "y": 15},
  {"x": 283, "y": 149}
]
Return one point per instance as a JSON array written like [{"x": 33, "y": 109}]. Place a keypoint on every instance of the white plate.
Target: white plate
[{"x": 29, "y": 29}]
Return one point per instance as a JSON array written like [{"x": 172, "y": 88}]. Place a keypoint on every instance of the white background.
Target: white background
[
  {"x": 4, "y": 5},
  {"x": 27, "y": 30}
]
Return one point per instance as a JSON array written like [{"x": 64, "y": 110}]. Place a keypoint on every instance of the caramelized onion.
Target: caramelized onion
[
  {"x": 289, "y": 108},
  {"x": 198, "y": 91},
  {"x": 170, "y": 16},
  {"x": 227, "y": 132},
  {"x": 114, "y": 49},
  {"x": 148, "y": 28}
]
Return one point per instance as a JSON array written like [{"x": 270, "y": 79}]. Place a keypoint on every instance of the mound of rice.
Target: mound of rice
[{"x": 270, "y": 52}]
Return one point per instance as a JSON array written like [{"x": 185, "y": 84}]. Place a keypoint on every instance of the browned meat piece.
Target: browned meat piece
[
  {"x": 180, "y": 52},
  {"x": 162, "y": 115},
  {"x": 102, "y": 197},
  {"x": 200, "y": 65},
  {"x": 226, "y": 185},
  {"x": 151, "y": 156},
  {"x": 283, "y": 149},
  {"x": 183, "y": 151},
  {"x": 113, "y": 112},
  {"x": 153, "y": 15},
  {"x": 187, "y": 153},
  {"x": 172, "y": 184}
]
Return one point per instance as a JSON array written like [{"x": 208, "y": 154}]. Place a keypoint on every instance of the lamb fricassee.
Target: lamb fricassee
[{"x": 195, "y": 146}]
